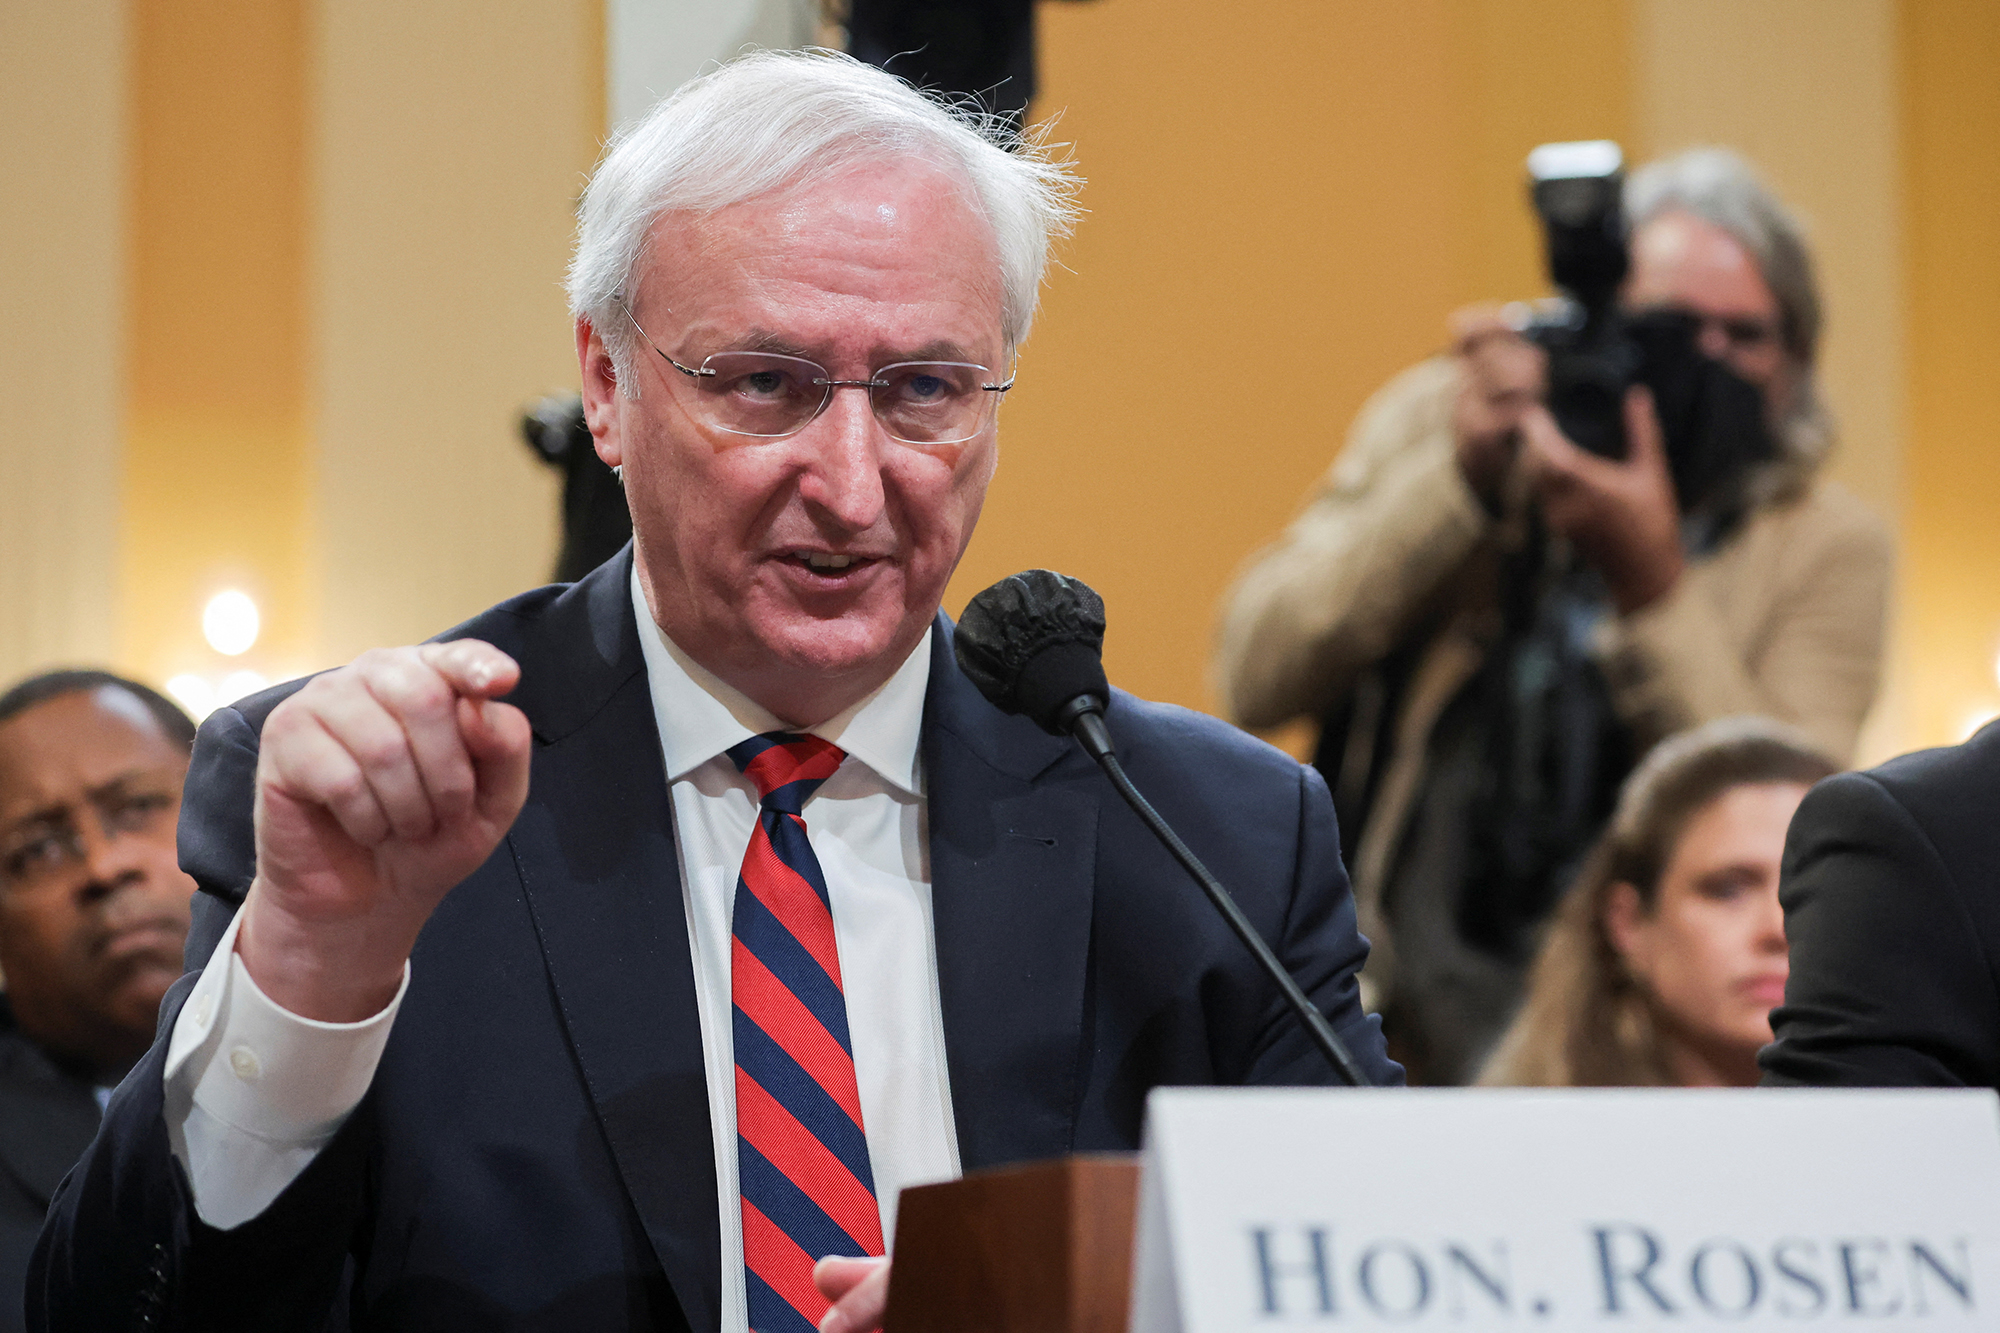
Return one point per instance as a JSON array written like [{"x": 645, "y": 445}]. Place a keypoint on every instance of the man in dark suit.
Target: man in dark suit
[
  {"x": 499, "y": 1024},
  {"x": 93, "y": 912},
  {"x": 1891, "y": 892}
]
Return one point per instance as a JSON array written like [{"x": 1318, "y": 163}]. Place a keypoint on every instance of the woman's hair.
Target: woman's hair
[
  {"x": 774, "y": 119},
  {"x": 1585, "y": 1021}
]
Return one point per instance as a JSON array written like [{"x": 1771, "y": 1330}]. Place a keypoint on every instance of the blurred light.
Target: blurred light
[
  {"x": 237, "y": 684},
  {"x": 1973, "y": 721},
  {"x": 194, "y": 694},
  {"x": 230, "y": 622}
]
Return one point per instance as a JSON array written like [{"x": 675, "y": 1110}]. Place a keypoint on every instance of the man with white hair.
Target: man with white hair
[
  {"x": 621, "y": 1003},
  {"x": 1492, "y": 624}
]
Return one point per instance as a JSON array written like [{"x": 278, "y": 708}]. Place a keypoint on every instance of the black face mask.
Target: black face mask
[{"x": 1714, "y": 421}]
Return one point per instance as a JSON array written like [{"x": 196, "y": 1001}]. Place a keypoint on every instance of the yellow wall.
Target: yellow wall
[
  {"x": 1286, "y": 197},
  {"x": 345, "y": 226},
  {"x": 217, "y": 450},
  {"x": 289, "y": 267},
  {"x": 1951, "y": 80},
  {"x": 1314, "y": 206},
  {"x": 62, "y": 296},
  {"x": 452, "y": 143}
]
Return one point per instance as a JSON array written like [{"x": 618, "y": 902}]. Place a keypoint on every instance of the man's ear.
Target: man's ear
[
  {"x": 601, "y": 394},
  {"x": 1625, "y": 924}
]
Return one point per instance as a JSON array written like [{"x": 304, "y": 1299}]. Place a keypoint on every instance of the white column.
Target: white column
[{"x": 654, "y": 46}]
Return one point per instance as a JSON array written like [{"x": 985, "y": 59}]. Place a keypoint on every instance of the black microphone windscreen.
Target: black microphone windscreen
[{"x": 1033, "y": 642}]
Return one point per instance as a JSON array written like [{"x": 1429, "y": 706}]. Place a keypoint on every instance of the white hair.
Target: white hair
[
  {"x": 1722, "y": 189},
  {"x": 773, "y": 119}
]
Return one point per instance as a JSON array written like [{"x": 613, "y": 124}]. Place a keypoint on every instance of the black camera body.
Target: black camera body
[{"x": 1713, "y": 421}]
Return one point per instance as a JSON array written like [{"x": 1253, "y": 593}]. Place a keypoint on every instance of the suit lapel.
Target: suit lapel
[
  {"x": 1013, "y": 860},
  {"x": 595, "y": 851}
]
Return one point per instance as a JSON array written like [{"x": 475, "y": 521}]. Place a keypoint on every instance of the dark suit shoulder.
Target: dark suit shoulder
[
  {"x": 1894, "y": 923},
  {"x": 1149, "y": 733},
  {"x": 1948, "y": 794}
]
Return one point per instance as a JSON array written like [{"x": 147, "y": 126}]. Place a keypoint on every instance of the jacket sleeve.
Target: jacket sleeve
[
  {"x": 1889, "y": 985},
  {"x": 1323, "y": 950},
  {"x": 1389, "y": 524},
  {"x": 123, "y": 1246},
  {"x": 1816, "y": 660}
]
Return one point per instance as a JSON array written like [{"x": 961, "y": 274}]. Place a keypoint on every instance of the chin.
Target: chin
[{"x": 835, "y": 647}]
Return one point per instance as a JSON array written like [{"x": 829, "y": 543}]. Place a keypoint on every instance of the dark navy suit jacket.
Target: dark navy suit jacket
[
  {"x": 535, "y": 1150},
  {"x": 1891, "y": 888},
  {"x": 47, "y": 1117}
]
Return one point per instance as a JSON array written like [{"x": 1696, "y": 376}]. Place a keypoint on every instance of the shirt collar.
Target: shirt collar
[{"x": 700, "y": 715}]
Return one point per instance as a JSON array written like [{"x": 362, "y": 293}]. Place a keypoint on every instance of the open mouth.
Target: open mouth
[{"x": 831, "y": 567}]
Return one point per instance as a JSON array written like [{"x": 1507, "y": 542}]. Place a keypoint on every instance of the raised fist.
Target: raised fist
[{"x": 380, "y": 786}]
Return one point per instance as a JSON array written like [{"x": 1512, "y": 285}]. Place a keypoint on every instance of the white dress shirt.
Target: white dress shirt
[{"x": 253, "y": 1091}]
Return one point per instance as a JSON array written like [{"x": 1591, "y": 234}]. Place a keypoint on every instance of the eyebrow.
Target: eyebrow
[{"x": 57, "y": 811}]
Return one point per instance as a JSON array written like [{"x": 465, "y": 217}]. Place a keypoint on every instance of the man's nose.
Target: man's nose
[
  {"x": 110, "y": 861},
  {"x": 1712, "y": 340},
  {"x": 844, "y": 475}
]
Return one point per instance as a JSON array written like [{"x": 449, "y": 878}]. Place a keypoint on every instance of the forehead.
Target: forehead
[
  {"x": 73, "y": 743},
  {"x": 879, "y": 257},
  {"x": 1685, "y": 260},
  {"x": 1749, "y": 815}
]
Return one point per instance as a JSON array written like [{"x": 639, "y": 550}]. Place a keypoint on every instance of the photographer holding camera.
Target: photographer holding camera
[{"x": 1537, "y": 556}]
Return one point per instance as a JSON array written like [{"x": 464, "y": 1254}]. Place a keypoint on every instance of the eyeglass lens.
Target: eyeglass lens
[{"x": 917, "y": 402}]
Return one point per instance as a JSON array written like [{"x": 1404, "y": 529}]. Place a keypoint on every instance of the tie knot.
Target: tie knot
[{"x": 786, "y": 767}]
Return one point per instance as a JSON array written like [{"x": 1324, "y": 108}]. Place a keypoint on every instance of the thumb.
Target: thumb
[{"x": 498, "y": 740}]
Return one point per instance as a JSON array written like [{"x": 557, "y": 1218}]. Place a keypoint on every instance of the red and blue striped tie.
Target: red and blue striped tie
[{"x": 801, "y": 1157}]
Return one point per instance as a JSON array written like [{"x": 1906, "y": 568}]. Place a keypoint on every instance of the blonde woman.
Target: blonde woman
[{"x": 1664, "y": 962}]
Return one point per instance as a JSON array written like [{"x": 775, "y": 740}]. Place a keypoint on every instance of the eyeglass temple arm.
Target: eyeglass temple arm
[{"x": 647, "y": 338}]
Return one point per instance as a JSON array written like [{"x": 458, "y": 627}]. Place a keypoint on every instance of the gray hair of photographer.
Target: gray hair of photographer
[
  {"x": 1663, "y": 962},
  {"x": 1721, "y": 188}
]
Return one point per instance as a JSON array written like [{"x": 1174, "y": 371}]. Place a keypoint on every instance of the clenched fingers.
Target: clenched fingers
[
  {"x": 303, "y": 760},
  {"x": 401, "y": 726},
  {"x": 393, "y": 744}
]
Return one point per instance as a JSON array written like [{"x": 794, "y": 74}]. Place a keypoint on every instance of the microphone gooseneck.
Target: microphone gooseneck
[{"x": 1033, "y": 644}]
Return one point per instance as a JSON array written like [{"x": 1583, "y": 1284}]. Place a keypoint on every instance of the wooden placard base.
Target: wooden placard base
[{"x": 1042, "y": 1248}]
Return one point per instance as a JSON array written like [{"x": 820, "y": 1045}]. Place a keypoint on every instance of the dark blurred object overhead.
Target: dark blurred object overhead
[
  {"x": 595, "y": 521},
  {"x": 977, "y": 48}
]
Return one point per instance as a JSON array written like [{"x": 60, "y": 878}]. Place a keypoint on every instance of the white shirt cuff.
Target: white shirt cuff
[{"x": 254, "y": 1091}]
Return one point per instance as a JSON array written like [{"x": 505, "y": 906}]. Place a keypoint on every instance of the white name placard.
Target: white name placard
[{"x": 1568, "y": 1210}]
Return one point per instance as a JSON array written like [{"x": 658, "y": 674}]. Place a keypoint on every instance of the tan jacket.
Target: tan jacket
[{"x": 1785, "y": 618}]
